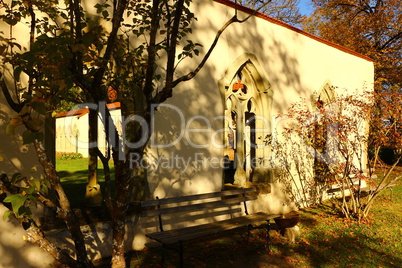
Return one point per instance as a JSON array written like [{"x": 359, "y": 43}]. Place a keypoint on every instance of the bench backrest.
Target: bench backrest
[{"x": 199, "y": 202}]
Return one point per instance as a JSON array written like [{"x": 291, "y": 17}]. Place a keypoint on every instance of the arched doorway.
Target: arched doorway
[
  {"x": 247, "y": 111},
  {"x": 323, "y": 101}
]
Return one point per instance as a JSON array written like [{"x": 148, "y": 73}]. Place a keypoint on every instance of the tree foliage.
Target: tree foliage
[
  {"x": 283, "y": 10},
  {"x": 385, "y": 131}
]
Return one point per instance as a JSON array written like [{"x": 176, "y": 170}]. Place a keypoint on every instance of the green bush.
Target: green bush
[{"x": 71, "y": 156}]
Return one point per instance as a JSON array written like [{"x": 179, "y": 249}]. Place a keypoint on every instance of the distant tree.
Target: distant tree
[
  {"x": 68, "y": 100},
  {"x": 284, "y": 10},
  {"x": 67, "y": 46},
  {"x": 386, "y": 129}
]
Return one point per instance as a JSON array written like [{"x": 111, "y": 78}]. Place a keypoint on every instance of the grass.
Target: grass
[
  {"x": 330, "y": 241},
  {"x": 74, "y": 178},
  {"x": 326, "y": 239}
]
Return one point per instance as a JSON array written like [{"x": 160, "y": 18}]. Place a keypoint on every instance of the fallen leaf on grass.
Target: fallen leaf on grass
[
  {"x": 289, "y": 259},
  {"x": 305, "y": 241}
]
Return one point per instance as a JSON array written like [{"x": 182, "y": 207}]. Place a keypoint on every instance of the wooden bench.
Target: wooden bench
[{"x": 179, "y": 212}]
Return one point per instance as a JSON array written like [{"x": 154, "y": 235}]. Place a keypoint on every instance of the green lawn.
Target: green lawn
[
  {"x": 330, "y": 241},
  {"x": 74, "y": 177},
  {"x": 326, "y": 240}
]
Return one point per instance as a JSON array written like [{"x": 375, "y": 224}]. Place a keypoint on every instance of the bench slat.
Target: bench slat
[
  {"x": 198, "y": 207},
  {"x": 235, "y": 210},
  {"x": 171, "y": 200},
  {"x": 188, "y": 233}
]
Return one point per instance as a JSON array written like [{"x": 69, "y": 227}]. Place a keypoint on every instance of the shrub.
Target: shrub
[{"x": 71, "y": 156}]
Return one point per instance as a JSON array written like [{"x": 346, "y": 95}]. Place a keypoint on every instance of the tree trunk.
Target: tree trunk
[
  {"x": 118, "y": 250},
  {"x": 125, "y": 175},
  {"x": 50, "y": 137},
  {"x": 93, "y": 194},
  {"x": 35, "y": 235},
  {"x": 120, "y": 206},
  {"x": 66, "y": 213}
]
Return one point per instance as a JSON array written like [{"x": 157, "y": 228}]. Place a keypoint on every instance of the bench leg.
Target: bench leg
[
  {"x": 178, "y": 249},
  {"x": 249, "y": 228},
  {"x": 164, "y": 248},
  {"x": 181, "y": 254}
]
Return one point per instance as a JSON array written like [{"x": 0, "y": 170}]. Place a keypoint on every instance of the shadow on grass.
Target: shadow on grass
[
  {"x": 328, "y": 241},
  {"x": 345, "y": 251},
  {"x": 229, "y": 249}
]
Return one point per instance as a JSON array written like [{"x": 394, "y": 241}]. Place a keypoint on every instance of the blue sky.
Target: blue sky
[{"x": 306, "y": 7}]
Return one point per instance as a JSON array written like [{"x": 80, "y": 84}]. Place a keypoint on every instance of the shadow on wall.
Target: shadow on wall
[
  {"x": 14, "y": 251},
  {"x": 276, "y": 53},
  {"x": 201, "y": 98},
  {"x": 178, "y": 157},
  {"x": 16, "y": 156}
]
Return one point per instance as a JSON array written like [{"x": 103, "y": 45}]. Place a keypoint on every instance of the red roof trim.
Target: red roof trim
[
  {"x": 290, "y": 27},
  {"x": 113, "y": 106},
  {"x": 78, "y": 113},
  {"x": 81, "y": 112}
]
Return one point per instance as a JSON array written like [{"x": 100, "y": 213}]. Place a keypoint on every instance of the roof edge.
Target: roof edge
[
  {"x": 81, "y": 112},
  {"x": 290, "y": 27}
]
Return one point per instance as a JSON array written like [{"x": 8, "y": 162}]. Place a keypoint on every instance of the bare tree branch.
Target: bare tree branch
[
  {"x": 149, "y": 75},
  {"x": 116, "y": 21},
  {"x": 14, "y": 105},
  {"x": 165, "y": 93},
  {"x": 172, "y": 48}
]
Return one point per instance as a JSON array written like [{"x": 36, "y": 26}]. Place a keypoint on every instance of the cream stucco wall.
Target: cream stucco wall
[
  {"x": 294, "y": 64},
  {"x": 14, "y": 155},
  {"x": 72, "y": 132},
  {"x": 72, "y": 135}
]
